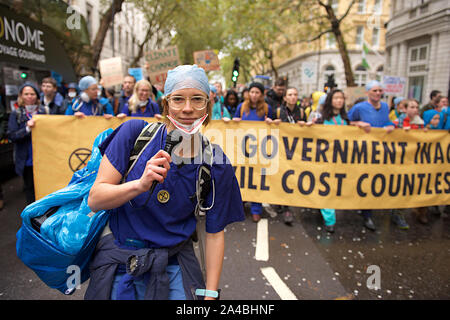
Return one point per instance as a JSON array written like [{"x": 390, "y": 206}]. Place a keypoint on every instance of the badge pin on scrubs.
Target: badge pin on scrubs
[{"x": 163, "y": 196}]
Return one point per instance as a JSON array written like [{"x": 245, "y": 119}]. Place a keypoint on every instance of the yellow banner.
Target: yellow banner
[{"x": 339, "y": 167}]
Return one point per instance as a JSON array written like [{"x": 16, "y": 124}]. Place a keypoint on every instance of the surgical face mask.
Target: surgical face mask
[
  {"x": 31, "y": 108},
  {"x": 188, "y": 130},
  {"x": 142, "y": 103},
  {"x": 72, "y": 94},
  {"x": 85, "y": 97}
]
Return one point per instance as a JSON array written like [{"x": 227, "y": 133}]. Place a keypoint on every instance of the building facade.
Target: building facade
[
  {"x": 418, "y": 46},
  {"x": 363, "y": 25},
  {"x": 124, "y": 34}
]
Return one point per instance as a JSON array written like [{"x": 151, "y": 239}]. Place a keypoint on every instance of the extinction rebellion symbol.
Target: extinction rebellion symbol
[{"x": 79, "y": 159}]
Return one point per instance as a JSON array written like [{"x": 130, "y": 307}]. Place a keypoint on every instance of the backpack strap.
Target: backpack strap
[
  {"x": 204, "y": 182},
  {"x": 143, "y": 140}
]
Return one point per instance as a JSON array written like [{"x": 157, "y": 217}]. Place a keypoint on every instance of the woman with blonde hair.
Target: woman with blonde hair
[{"x": 140, "y": 103}]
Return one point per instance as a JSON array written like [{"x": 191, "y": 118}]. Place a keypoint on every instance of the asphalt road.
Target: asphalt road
[{"x": 301, "y": 261}]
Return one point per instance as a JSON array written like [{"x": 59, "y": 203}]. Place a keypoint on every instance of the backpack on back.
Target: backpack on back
[{"x": 59, "y": 232}]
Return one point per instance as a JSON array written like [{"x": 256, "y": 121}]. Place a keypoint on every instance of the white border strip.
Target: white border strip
[
  {"x": 278, "y": 285},
  {"x": 262, "y": 241}
]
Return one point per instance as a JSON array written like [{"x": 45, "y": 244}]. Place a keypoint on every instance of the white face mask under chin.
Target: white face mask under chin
[
  {"x": 142, "y": 104},
  {"x": 85, "y": 97},
  {"x": 31, "y": 108},
  {"x": 188, "y": 130}
]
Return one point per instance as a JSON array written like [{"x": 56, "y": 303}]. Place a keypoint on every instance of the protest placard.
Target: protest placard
[
  {"x": 394, "y": 85},
  {"x": 161, "y": 61},
  {"x": 340, "y": 167},
  {"x": 111, "y": 71},
  {"x": 137, "y": 73},
  {"x": 207, "y": 59},
  {"x": 353, "y": 93}
]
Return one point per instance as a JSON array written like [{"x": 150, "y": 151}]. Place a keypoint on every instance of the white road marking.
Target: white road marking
[
  {"x": 262, "y": 241},
  {"x": 278, "y": 285}
]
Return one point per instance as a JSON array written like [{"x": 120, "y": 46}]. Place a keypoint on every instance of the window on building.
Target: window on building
[
  {"x": 111, "y": 37},
  {"x": 335, "y": 5},
  {"x": 418, "y": 54},
  {"x": 375, "y": 37},
  {"x": 361, "y": 6},
  {"x": 361, "y": 75},
  {"x": 417, "y": 71},
  {"x": 331, "y": 40},
  {"x": 89, "y": 18},
  {"x": 119, "y": 36},
  {"x": 378, "y": 6},
  {"x": 359, "y": 36},
  {"x": 379, "y": 75}
]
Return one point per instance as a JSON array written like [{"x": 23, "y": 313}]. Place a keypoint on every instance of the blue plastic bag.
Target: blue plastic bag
[{"x": 67, "y": 238}]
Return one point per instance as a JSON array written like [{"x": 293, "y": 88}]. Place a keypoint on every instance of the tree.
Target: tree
[
  {"x": 252, "y": 30},
  {"x": 159, "y": 15},
  {"x": 105, "y": 22},
  {"x": 318, "y": 18}
]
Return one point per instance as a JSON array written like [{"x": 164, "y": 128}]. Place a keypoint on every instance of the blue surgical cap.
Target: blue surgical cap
[
  {"x": 429, "y": 115},
  {"x": 186, "y": 77},
  {"x": 212, "y": 88},
  {"x": 398, "y": 100},
  {"x": 373, "y": 83},
  {"x": 86, "y": 82}
]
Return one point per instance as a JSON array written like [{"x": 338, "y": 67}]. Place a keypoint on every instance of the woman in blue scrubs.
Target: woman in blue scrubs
[
  {"x": 140, "y": 104},
  {"x": 167, "y": 220}
]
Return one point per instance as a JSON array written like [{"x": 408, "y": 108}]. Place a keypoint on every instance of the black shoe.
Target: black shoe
[
  {"x": 330, "y": 229},
  {"x": 288, "y": 218},
  {"x": 256, "y": 218},
  {"x": 368, "y": 223},
  {"x": 400, "y": 221}
]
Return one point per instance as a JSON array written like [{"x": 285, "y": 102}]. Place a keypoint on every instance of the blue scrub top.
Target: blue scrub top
[
  {"x": 252, "y": 115},
  {"x": 365, "y": 112},
  {"x": 151, "y": 109},
  {"x": 167, "y": 224},
  {"x": 87, "y": 108}
]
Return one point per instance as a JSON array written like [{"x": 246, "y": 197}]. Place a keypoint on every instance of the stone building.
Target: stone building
[
  {"x": 418, "y": 46},
  {"x": 364, "y": 24}
]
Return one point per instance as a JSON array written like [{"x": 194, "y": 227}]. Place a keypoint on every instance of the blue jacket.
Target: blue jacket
[
  {"x": 150, "y": 264},
  {"x": 150, "y": 110},
  {"x": 18, "y": 134},
  {"x": 89, "y": 109},
  {"x": 57, "y": 106}
]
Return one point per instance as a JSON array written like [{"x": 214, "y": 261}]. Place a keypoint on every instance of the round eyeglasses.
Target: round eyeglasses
[{"x": 179, "y": 102}]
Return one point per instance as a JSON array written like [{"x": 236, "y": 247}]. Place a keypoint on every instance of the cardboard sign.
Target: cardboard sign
[
  {"x": 161, "y": 61},
  {"x": 353, "y": 93},
  {"x": 111, "y": 71},
  {"x": 207, "y": 59},
  {"x": 137, "y": 73},
  {"x": 394, "y": 85}
]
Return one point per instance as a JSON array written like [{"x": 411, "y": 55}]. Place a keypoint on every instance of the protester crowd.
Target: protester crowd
[{"x": 254, "y": 103}]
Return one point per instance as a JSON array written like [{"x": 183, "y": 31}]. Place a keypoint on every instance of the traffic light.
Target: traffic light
[
  {"x": 23, "y": 75},
  {"x": 235, "y": 74}
]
